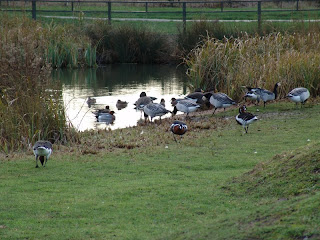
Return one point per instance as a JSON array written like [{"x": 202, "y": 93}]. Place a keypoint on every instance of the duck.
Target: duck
[
  {"x": 299, "y": 95},
  {"x": 106, "y": 117},
  {"x": 219, "y": 100},
  {"x": 121, "y": 104},
  {"x": 266, "y": 95},
  {"x": 100, "y": 111},
  {"x": 42, "y": 150},
  {"x": 186, "y": 106},
  {"x": 178, "y": 128},
  {"x": 154, "y": 109},
  {"x": 91, "y": 100},
  {"x": 163, "y": 102},
  {"x": 245, "y": 118}
]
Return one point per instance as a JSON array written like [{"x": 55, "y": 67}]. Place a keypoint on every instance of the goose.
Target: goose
[
  {"x": 106, "y": 117},
  {"x": 178, "y": 128},
  {"x": 154, "y": 109},
  {"x": 121, "y": 104},
  {"x": 300, "y": 94},
  {"x": 196, "y": 95},
  {"x": 219, "y": 100},
  {"x": 143, "y": 101},
  {"x": 245, "y": 118},
  {"x": 186, "y": 106},
  {"x": 266, "y": 95},
  {"x": 252, "y": 96},
  {"x": 42, "y": 150},
  {"x": 144, "y": 94}
]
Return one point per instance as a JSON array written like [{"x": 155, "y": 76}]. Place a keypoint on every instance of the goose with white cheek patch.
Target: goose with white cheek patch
[
  {"x": 219, "y": 100},
  {"x": 42, "y": 150},
  {"x": 299, "y": 95},
  {"x": 252, "y": 96},
  {"x": 245, "y": 118},
  {"x": 266, "y": 95},
  {"x": 178, "y": 128}
]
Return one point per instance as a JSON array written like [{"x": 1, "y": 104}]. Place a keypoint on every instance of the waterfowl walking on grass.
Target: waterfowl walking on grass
[
  {"x": 299, "y": 95},
  {"x": 186, "y": 106},
  {"x": 252, "y": 96},
  {"x": 266, "y": 95},
  {"x": 106, "y": 117},
  {"x": 178, "y": 128},
  {"x": 153, "y": 110},
  {"x": 245, "y": 118},
  {"x": 42, "y": 150},
  {"x": 219, "y": 100}
]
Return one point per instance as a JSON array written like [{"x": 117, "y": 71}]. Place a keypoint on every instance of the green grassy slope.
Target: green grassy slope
[{"x": 137, "y": 183}]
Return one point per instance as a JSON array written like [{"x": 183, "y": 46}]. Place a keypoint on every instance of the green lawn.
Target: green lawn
[{"x": 138, "y": 183}]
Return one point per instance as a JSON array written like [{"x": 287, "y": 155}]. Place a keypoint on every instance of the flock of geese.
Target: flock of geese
[{"x": 191, "y": 103}]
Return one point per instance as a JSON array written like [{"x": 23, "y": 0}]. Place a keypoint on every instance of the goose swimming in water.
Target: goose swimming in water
[
  {"x": 299, "y": 95},
  {"x": 245, "y": 118},
  {"x": 121, "y": 104},
  {"x": 178, "y": 128},
  {"x": 42, "y": 150}
]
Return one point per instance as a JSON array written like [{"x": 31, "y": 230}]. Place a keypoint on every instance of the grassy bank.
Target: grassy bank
[{"x": 138, "y": 183}]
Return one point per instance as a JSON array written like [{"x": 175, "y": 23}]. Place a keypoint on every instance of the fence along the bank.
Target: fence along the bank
[{"x": 181, "y": 7}]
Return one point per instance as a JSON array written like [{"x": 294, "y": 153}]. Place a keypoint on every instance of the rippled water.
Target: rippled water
[{"x": 124, "y": 82}]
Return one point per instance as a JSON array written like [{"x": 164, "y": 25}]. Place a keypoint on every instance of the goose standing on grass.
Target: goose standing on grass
[
  {"x": 245, "y": 118},
  {"x": 42, "y": 150},
  {"x": 153, "y": 110},
  {"x": 106, "y": 117},
  {"x": 253, "y": 97},
  {"x": 299, "y": 95},
  {"x": 219, "y": 100},
  {"x": 266, "y": 95},
  {"x": 186, "y": 106},
  {"x": 178, "y": 128}
]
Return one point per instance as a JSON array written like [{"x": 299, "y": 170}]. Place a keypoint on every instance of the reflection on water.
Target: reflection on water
[{"x": 122, "y": 82}]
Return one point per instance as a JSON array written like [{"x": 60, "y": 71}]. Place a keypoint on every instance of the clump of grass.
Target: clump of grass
[
  {"x": 30, "y": 105},
  {"x": 128, "y": 44},
  {"x": 226, "y": 65}
]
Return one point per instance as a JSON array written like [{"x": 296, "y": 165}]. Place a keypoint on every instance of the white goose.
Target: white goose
[
  {"x": 245, "y": 118},
  {"x": 299, "y": 95}
]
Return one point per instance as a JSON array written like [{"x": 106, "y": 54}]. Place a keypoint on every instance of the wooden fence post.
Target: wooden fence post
[
  {"x": 72, "y": 6},
  {"x": 34, "y": 10},
  {"x": 184, "y": 16},
  {"x": 109, "y": 12},
  {"x": 146, "y": 6},
  {"x": 297, "y": 5},
  {"x": 259, "y": 17}
]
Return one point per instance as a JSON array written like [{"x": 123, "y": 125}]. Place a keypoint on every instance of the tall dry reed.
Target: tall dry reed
[{"x": 227, "y": 65}]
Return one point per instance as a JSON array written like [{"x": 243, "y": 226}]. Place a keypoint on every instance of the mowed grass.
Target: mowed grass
[{"x": 138, "y": 183}]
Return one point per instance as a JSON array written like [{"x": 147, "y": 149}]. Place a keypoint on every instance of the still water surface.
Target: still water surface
[{"x": 124, "y": 82}]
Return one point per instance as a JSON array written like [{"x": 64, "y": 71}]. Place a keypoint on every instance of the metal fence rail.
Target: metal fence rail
[{"x": 180, "y": 5}]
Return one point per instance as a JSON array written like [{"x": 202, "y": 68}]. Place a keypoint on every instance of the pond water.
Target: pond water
[{"x": 124, "y": 82}]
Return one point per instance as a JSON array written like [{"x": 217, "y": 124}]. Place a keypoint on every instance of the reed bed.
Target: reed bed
[
  {"x": 30, "y": 103},
  {"x": 227, "y": 65}
]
